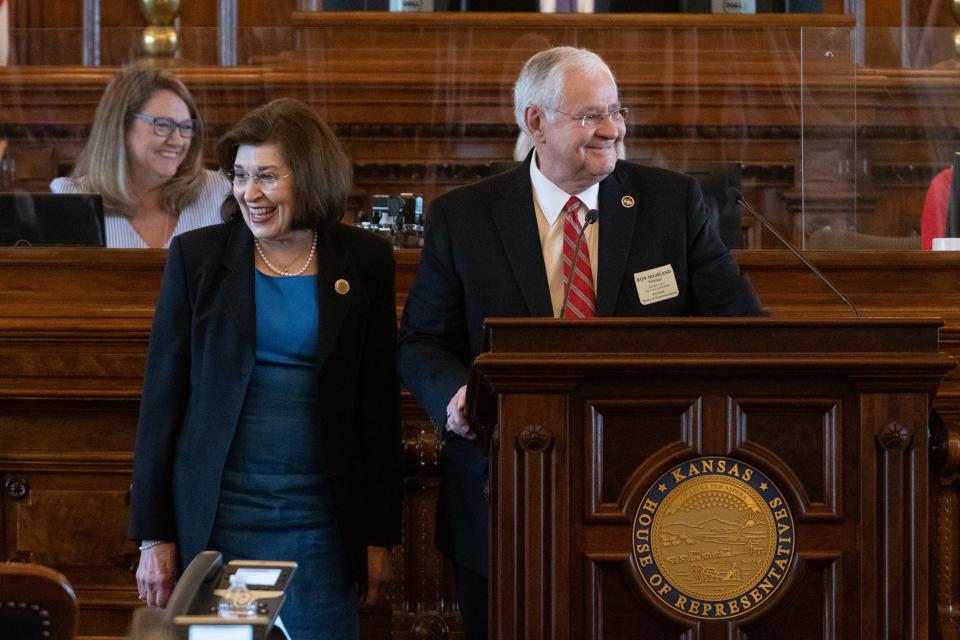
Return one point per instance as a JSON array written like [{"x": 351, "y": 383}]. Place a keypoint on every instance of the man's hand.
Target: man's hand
[
  {"x": 156, "y": 574},
  {"x": 456, "y": 420},
  {"x": 379, "y": 574}
]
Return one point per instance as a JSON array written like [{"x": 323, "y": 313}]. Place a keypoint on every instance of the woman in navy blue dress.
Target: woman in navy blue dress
[{"x": 269, "y": 424}]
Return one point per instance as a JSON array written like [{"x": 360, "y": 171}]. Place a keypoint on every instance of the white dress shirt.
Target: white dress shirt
[{"x": 548, "y": 202}]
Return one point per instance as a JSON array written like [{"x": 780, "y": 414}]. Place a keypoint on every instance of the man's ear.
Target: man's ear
[{"x": 533, "y": 117}]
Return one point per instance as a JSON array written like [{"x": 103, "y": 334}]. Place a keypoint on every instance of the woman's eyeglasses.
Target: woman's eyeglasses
[
  {"x": 266, "y": 180},
  {"x": 163, "y": 127}
]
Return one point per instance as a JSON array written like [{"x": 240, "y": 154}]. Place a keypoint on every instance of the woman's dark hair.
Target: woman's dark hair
[{"x": 321, "y": 170}]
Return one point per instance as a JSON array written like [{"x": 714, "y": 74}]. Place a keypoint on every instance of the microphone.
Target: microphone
[
  {"x": 734, "y": 194},
  {"x": 592, "y": 216}
]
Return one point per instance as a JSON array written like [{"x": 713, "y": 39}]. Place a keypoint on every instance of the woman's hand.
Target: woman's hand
[
  {"x": 379, "y": 574},
  {"x": 456, "y": 418},
  {"x": 156, "y": 574}
]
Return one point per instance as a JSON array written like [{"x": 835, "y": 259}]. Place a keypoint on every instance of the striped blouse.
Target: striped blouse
[{"x": 202, "y": 212}]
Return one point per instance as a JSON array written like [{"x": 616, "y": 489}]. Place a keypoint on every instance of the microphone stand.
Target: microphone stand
[{"x": 735, "y": 194}]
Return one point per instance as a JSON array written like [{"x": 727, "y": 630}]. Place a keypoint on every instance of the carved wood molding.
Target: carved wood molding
[
  {"x": 948, "y": 603},
  {"x": 895, "y": 463},
  {"x": 894, "y": 436},
  {"x": 945, "y": 452},
  {"x": 535, "y": 438}
]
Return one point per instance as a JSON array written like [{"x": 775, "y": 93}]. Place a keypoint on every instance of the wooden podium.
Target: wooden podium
[{"x": 596, "y": 418}]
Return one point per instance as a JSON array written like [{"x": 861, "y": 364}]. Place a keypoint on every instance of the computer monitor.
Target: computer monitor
[{"x": 28, "y": 219}]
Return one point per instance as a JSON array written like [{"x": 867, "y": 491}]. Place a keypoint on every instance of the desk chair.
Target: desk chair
[{"x": 36, "y": 603}]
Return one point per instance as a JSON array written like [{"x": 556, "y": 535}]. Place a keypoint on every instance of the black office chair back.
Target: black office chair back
[{"x": 36, "y": 603}]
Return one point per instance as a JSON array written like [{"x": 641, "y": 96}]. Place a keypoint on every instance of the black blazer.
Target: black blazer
[
  {"x": 482, "y": 258},
  {"x": 202, "y": 352}
]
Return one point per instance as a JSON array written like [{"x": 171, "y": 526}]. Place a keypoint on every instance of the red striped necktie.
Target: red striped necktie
[{"x": 581, "y": 299}]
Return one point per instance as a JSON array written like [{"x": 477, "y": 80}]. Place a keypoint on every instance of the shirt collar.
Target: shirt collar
[{"x": 552, "y": 198}]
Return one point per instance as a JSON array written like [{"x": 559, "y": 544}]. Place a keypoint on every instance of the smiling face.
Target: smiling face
[
  {"x": 268, "y": 213},
  {"x": 571, "y": 156},
  {"x": 152, "y": 159}
]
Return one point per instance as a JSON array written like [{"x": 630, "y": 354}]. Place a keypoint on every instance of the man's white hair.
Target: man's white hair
[{"x": 541, "y": 79}]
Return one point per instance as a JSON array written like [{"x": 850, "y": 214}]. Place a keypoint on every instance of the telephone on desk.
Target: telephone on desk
[{"x": 239, "y": 600}]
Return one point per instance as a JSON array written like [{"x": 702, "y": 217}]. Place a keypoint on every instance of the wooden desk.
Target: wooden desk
[{"x": 74, "y": 325}]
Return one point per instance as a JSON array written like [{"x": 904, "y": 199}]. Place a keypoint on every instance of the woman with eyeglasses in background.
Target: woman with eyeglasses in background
[
  {"x": 269, "y": 423},
  {"x": 144, "y": 156}
]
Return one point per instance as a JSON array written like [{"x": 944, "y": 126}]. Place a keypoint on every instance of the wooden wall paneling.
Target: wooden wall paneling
[
  {"x": 768, "y": 429},
  {"x": 125, "y": 14},
  {"x": 44, "y": 14},
  {"x": 546, "y": 490},
  {"x": 126, "y": 17},
  {"x": 122, "y": 23},
  {"x": 611, "y": 608},
  {"x": 893, "y": 445},
  {"x": 908, "y": 33},
  {"x": 58, "y": 21},
  {"x": 671, "y": 427},
  {"x": 423, "y": 103},
  {"x": 902, "y": 136},
  {"x": 258, "y": 15},
  {"x": 818, "y": 614},
  {"x": 945, "y": 569}
]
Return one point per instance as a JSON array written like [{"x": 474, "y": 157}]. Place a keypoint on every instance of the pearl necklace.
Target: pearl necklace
[{"x": 281, "y": 272}]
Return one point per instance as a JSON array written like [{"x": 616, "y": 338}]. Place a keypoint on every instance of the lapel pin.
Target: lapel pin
[
  {"x": 627, "y": 201},
  {"x": 342, "y": 287}
]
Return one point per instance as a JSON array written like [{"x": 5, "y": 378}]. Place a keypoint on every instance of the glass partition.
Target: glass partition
[
  {"x": 837, "y": 154},
  {"x": 875, "y": 137},
  {"x": 824, "y": 202}
]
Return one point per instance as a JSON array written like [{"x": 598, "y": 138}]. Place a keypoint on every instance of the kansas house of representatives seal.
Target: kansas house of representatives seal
[{"x": 713, "y": 538}]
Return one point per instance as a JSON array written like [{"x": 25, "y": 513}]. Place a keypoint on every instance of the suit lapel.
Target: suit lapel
[
  {"x": 333, "y": 303},
  {"x": 333, "y": 264},
  {"x": 516, "y": 222},
  {"x": 238, "y": 287},
  {"x": 616, "y": 237}
]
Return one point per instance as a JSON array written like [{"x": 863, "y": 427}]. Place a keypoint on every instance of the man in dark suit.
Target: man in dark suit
[{"x": 506, "y": 246}]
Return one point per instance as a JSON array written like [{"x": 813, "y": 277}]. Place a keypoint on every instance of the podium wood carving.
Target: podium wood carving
[{"x": 599, "y": 421}]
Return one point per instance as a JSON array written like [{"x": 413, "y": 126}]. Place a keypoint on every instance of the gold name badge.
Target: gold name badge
[{"x": 713, "y": 538}]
